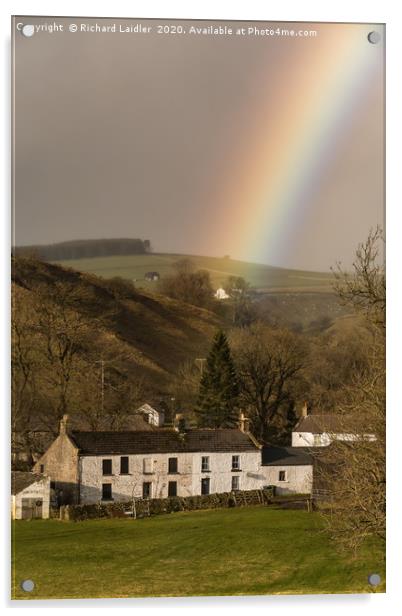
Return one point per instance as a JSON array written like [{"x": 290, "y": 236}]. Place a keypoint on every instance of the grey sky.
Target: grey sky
[{"x": 130, "y": 135}]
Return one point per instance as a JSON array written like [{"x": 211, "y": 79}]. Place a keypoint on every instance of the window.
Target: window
[
  {"x": 282, "y": 476},
  {"x": 204, "y": 464},
  {"x": 205, "y": 485},
  {"x": 172, "y": 487},
  {"x": 52, "y": 485},
  {"x": 148, "y": 466},
  {"x": 107, "y": 491},
  {"x": 42, "y": 468},
  {"x": 172, "y": 465},
  {"x": 106, "y": 467},
  {"x": 235, "y": 482},
  {"x": 147, "y": 489},
  {"x": 124, "y": 468},
  {"x": 235, "y": 463}
]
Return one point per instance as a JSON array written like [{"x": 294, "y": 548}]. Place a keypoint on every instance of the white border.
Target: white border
[{"x": 295, "y": 10}]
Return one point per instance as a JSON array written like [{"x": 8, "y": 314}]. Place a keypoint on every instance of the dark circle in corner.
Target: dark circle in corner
[{"x": 374, "y": 37}]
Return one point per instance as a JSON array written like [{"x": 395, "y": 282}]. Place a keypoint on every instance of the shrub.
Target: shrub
[{"x": 121, "y": 288}]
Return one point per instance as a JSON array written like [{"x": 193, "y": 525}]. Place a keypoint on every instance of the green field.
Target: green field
[
  {"x": 256, "y": 550},
  {"x": 259, "y": 276}
]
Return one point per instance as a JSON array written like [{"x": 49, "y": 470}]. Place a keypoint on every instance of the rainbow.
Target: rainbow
[{"x": 291, "y": 138}]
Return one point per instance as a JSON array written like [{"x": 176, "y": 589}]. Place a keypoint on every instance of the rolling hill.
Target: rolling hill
[{"x": 262, "y": 277}]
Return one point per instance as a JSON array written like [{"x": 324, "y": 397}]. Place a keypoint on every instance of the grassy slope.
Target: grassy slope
[
  {"x": 259, "y": 276},
  {"x": 231, "y": 552},
  {"x": 159, "y": 333}
]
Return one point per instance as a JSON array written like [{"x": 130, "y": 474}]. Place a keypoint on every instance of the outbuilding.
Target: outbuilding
[
  {"x": 30, "y": 496},
  {"x": 289, "y": 469}
]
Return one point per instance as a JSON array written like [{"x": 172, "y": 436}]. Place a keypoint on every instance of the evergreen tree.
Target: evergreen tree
[{"x": 218, "y": 393}]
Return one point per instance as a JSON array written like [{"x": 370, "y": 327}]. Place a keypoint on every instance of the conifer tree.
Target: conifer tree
[{"x": 218, "y": 393}]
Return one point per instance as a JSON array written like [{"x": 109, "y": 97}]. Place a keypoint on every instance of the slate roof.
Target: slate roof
[
  {"x": 286, "y": 456},
  {"x": 318, "y": 424},
  {"x": 162, "y": 441},
  {"x": 21, "y": 480}
]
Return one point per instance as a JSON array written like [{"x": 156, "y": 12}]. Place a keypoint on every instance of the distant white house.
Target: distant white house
[
  {"x": 153, "y": 414},
  {"x": 320, "y": 430},
  {"x": 152, "y": 276},
  {"x": 221, "y": 294},
  {"x": 30, "y": 496}
]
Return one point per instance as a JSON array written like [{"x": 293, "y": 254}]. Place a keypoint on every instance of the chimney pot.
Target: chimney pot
[{"x": 304, "y": 411}]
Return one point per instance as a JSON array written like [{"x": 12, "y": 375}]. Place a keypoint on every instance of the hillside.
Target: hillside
[
  {"x": 304, "y": 311},
  {"x": 261, "y": 277},
  {"x": 79, "y": 249},
  {"x": 156, "y": 333}
]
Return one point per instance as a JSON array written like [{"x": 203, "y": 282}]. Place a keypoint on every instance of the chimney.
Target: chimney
[
  {"x": 179, "y": 423},
  {"x": 244, "y": 423},
  {"x": 63, "y": 425},
  {"x": 304, "y": 411}
]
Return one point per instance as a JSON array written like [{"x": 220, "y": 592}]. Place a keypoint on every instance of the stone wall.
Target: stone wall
[
  {"x": 60, "y": 463},
  {"x": 144, "y": 508}
]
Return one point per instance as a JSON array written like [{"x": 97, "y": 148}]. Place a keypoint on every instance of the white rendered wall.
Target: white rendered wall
[
  {"x": 299, "y": 479},
  {"x": 188, "y": 477},
  {"x": 307, "y": 439},
  {"x": 302, "y": 439},
  {"x": 39, "y": 490}
]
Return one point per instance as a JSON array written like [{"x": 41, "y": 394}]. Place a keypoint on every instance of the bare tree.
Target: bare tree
[
  {"x": 192, "y": 287},
  {"x": 186, "y": 383},
  {"x": 352, "y": 472},
  {"x": 62, "y": 332},
  {"x": 364, "y": 287},
  {"x": 184, "y": 266},
  {"x": 268, "y": 363},
  {"x": 238, "y": 290},
  {"x": 24, "y": 387}
]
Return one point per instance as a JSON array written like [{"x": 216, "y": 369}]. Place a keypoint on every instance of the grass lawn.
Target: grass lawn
[{"x": 255, "y": 550}]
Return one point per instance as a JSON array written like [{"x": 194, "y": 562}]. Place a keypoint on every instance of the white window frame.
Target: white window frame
[
  {"x": 286, "y": 476},
  {"x": 236, "y": 479},
  {"x": 111, "y": 492},
  {"x": 111, "y": 467},
  {"x": 206, "y": 468},
  {"x": 148, "y": 466},
  {"x": 236, "y": 467},
  {"x": 151, "y": 487}
]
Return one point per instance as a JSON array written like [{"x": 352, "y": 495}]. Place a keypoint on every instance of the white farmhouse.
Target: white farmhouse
[
  {"x": 153, "y": 414},
  {"x": 319, "y": 430},
  {"x": 221, "y": 294},
  {"x": 93, "y": 467},
  {"x": 30, "y": 496},
  {"x": 289, "y": 469}
]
